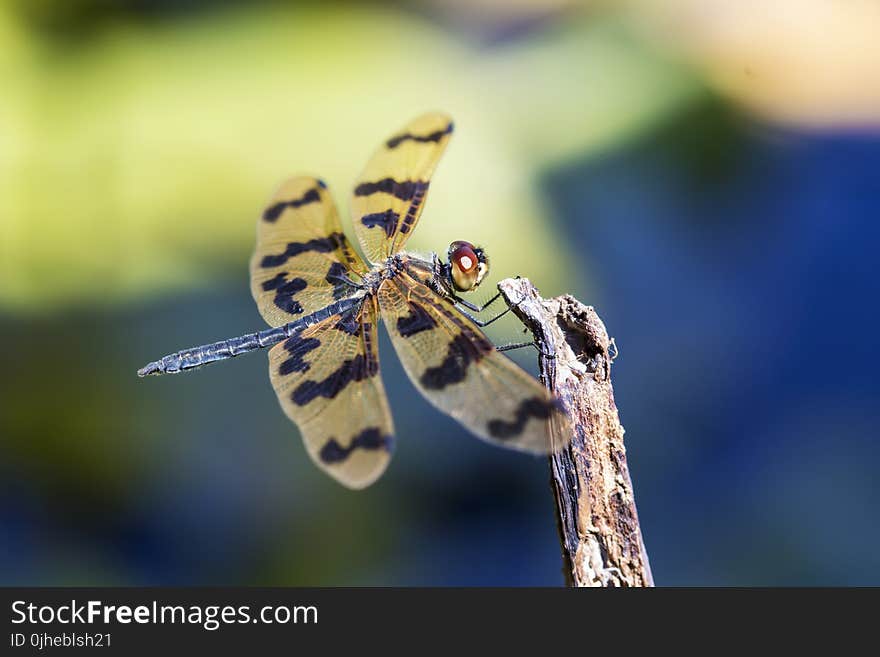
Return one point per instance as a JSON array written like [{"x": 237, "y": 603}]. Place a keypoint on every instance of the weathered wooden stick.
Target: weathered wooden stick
[{"x": 596, "y": 512}]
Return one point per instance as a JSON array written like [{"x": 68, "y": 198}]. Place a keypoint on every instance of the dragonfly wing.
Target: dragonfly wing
[
  {"x": 327, "y": 380},
  {"x": 391, "y": 191},
  {"x": 460, "y": 372},
  {"x": 302, "y": 260}
]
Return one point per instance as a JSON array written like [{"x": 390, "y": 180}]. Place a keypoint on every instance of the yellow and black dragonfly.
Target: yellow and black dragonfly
[{"x": 324, "y": 301}]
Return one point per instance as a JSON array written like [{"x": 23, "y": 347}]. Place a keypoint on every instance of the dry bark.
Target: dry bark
[{"x": 596, "y": 512}]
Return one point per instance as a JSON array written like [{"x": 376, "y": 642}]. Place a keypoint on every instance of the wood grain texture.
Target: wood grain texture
[{"x": 598, "y": 524}]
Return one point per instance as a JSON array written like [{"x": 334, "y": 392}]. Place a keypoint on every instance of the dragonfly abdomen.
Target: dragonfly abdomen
[{"x": 189, "y": 359}]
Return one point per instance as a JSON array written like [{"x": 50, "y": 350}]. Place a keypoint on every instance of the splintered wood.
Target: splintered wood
[{"x": 596, "y": 512}]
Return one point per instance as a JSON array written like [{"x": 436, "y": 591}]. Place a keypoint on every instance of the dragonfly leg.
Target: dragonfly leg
[
  {"x": 515, "y": 345},
  {"x": 520, "y": 345},
  {"x": 480, "y": 322},
  {"x": 474, "y": 308}
]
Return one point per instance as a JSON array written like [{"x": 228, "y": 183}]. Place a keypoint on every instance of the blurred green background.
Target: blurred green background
[{"x": 706, "y": 173}]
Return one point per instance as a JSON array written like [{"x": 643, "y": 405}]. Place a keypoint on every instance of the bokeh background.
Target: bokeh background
[{"x": 706, "y": 173}]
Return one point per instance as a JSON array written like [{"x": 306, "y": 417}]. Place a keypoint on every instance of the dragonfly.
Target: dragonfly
[{"x": 323, "y": 302}]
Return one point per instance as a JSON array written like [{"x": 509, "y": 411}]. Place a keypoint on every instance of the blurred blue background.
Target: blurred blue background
[{"x": 706, "y": 174}]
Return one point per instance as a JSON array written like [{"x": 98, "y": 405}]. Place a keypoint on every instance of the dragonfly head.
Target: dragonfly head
[{"x": 468, "y": 265}]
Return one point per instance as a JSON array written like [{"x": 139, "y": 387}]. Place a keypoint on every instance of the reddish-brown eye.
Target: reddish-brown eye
[
  {"x": 465, "y": 258},
  {"x": 466, "y": 266}
]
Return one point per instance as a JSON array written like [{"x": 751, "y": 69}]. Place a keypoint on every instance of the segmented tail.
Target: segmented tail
[{"x": 189, "y": 359}]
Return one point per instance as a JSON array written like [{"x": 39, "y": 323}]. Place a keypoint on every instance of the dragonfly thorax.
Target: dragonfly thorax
[{"x": 465, "y": 269}]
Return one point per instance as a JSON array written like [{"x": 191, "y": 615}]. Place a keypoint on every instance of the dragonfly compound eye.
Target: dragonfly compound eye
[{"x": 468, "y": 265}]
